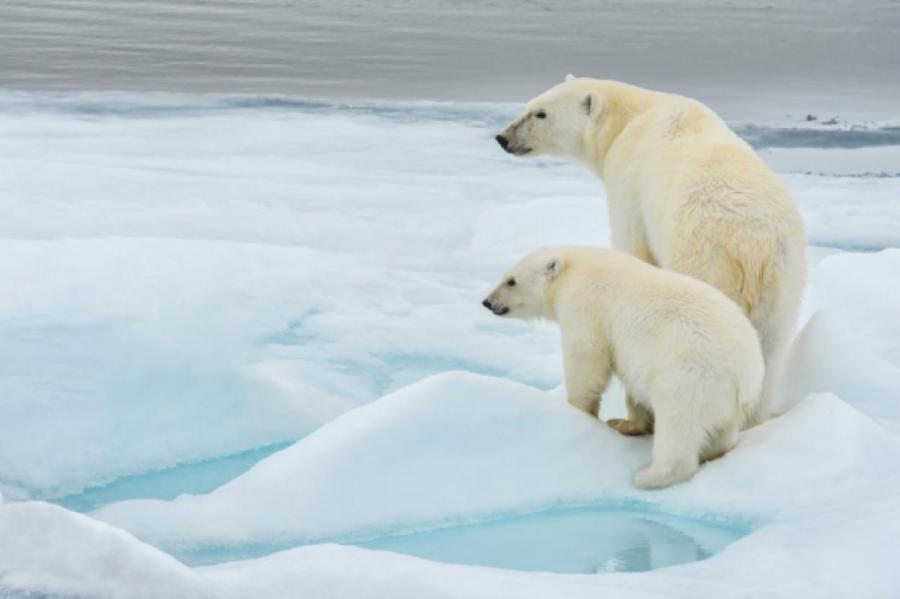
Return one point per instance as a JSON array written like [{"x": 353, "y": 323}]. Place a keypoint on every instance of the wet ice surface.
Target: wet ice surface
[
  {"x": 189, "y": 284},
  {"x": 193, "y": 478}
]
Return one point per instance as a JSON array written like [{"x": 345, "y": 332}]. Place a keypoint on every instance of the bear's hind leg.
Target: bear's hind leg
[
  {"x": 677, "y": 442},
  {"x": 639, "y": 421},
  {"x": 720, "y": 442}
]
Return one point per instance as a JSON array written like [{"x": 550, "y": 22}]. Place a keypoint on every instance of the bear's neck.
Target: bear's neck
[
  {"x": 590, "y": 290},
  {"x": 565, "y": 297},
  {"x": 623, "y": 104}
]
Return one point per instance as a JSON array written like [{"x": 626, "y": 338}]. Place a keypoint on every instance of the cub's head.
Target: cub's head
[
  {"x": 554, "y": 123},
  {"x": 522, "y": 293}
]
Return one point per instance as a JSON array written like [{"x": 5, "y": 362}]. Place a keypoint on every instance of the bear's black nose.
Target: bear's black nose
[
  {"x": 504, "y": 143},
  {"x": 486, "y": 304}
]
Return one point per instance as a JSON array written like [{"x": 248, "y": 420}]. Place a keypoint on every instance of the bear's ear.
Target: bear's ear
[
  {"x": 554, "y": 267},
  {"x": 569, "y": 77},
  {"x": 592, "y": 104}
]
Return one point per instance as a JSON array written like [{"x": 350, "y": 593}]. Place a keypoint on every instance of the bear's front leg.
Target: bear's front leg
[
  {"x": 639, "y": 421},
  {"x": 587, "y": 376}
]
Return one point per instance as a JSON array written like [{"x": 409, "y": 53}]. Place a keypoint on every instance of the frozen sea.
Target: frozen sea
[
  {"x": 204, "y": 297},
  {"x": 242, "y": 352}
]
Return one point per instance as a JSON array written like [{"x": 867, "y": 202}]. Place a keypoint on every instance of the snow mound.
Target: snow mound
[
  {"x": 425, "y": 456},
  {"x": 47, "y": 549},
  {"x": 851, "y": 343},
  {"x": 863, "y": 292},
  {"x": 460, "y": 446}
]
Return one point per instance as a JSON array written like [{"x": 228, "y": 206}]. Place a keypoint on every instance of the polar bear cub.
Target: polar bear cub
[{"x": 686, "y": 354}]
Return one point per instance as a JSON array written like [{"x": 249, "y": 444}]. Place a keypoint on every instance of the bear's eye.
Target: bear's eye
[
  {"x": 540, "y": 114},
  {"x": 511, "y": 282}
]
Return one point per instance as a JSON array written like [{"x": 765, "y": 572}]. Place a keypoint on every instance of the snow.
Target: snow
[
  {"x": 851, "y": 343},
  {"x": 839, "y": 542},
  {"x": 188, "y": 281},
  {"x": 49, "y": 549},
  {"x": 273, "y": 262},
  {"x": 854, "y": 288},
  {"x": 210, "y": 263},
  {"x": 399, "y": 468},
  {"x": 403, "y": 444}
]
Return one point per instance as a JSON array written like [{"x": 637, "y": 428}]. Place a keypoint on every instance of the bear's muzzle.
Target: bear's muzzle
[{"x": 495, "y": 308}]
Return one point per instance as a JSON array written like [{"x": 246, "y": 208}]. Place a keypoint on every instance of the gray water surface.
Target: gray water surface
[{"x": 756, "y": 59}]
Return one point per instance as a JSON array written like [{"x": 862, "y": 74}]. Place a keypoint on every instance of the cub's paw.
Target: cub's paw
[
  {"x": 629, "y": 427},
  {"x": 657, "y": 478},
  {"x": 648, "y": 478}
]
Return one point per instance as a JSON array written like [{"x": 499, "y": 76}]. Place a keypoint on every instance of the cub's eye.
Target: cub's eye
[
  {"x": 511, "y": 282},
  {"x": 540, "y": 114}
]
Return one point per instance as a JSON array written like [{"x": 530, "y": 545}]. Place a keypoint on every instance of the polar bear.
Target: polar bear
[
  {"x": 684, "y": 193},
  {"x": 687, "y": 356}
]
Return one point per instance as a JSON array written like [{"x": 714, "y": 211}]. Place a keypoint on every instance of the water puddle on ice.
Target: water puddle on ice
[
  {"x": 629, "y": 538},
  {"x": 585, "y": 540},
  {"x": 571, "y": 540},
  {"x": 193, "y": 478}
]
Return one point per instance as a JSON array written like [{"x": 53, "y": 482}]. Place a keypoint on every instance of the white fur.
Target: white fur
[
  {"x": 684, "y": 193},
  {"x": 688, "y": 357}
]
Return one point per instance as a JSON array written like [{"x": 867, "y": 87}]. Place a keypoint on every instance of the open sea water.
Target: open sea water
[{"x": 746, "y": 59}]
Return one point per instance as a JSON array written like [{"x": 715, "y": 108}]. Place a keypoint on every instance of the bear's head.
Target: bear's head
[
  {"x": 522, "y": 293},
  {"x": 555, "y": 122}
]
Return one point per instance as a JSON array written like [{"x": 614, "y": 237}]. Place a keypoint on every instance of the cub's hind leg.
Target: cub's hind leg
[
  {"x": 678, "y": 439},
  {"x": 720, "y": 442}
]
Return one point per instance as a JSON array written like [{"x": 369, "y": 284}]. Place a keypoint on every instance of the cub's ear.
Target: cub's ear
[
  {"x": 554, "y": 267},
  {"x": 569, "y": 77},
  {"x": 592, "y": 104}
]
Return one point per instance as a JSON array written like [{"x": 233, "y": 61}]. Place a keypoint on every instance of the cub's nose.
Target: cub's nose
[
  {"x": 487, "y": 304},
  {"x": 504, "y": 143}
]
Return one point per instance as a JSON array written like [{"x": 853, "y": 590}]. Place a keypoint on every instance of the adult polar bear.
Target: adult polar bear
[{"x": 685, "y": 193}]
